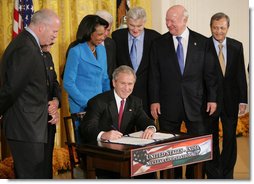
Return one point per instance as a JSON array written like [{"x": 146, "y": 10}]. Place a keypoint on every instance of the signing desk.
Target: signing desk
[{"x": 129, "y": 160}]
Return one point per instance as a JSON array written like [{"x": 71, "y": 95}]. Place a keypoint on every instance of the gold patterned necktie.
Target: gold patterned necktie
[{"x": 221, "y": 59}]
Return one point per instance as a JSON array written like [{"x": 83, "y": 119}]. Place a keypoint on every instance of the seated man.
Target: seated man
[{"x": 107, "y": 118}]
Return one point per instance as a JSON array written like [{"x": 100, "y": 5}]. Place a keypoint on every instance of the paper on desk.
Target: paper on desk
[
  {"x": 135, "y": 138},
  {"x": 156, "y": 136},
  {"x": 132, "y": 141}
]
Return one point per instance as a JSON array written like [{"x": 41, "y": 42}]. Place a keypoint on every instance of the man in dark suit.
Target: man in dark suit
[
  {"x": 177, "y": 91},
  {"x": 23, "y": 95},
  {"x": 124, "y": 38},
  {"x": 103, "y": 121},
  {"x": 109, "y": 43},
  {"x": 232, "y": 97},
  {"x": 54, "y": 99}
]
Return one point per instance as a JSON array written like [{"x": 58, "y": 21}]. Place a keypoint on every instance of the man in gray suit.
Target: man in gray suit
[
  {"x": 178, "y": 91},
  {"x": 23, "y": 95}
]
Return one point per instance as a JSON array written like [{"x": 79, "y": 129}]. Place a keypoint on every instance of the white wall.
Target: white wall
[{"x": 200, "y": 12}]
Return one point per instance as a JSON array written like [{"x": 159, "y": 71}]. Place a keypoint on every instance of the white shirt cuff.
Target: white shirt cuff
[
  {"x": 99, "y": 136},
  {"x": 151, "y": 126}
]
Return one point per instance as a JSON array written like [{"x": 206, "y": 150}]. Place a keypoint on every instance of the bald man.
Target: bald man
[{"x": 180, "y": 77}]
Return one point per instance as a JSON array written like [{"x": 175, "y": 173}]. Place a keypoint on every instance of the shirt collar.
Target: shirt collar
[
  {"x": 118, "y": 98},
  {"x": 140, "y": 37},
  {"x": 34, "y": 35},
  {"x": 216, "y": 43},
  {"x": 184, "y": 35}
]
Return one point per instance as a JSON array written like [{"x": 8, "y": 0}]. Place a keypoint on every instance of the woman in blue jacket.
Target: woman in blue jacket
[{"x": 85, "y": 73}]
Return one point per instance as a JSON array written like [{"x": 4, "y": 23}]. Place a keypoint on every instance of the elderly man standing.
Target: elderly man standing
[
  {"x": 132, "y": 47},
  {"x": 182, "y": 77},
  {"x": 24, "y": 96},
  {"x": 232, "y": 97}
]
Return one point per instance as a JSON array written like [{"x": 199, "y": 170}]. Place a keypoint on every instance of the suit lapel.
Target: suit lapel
[
  {"x": 87, "y": 56},
  {"x": 192, "y": 45},
  {"x": 145, "y": 49},
  {"x": 172, "y": 52},
  {"x": 126, "y": 53},
  {"x": 113, "y": 110},
  {"x": 214, "y": 53},
  {"x": 229, "y": 56}
]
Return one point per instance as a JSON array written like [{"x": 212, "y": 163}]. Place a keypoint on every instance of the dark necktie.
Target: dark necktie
[
  {"x": 179, "y": 52},
  {"x": 221, "y": 59},
  {"x": 133, "y": 54},
  {"x": 120, "y": 114}
]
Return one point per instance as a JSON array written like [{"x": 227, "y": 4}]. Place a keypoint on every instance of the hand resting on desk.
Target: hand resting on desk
[
  {"x": 111, "y": 135},
  {"x": 114, "y": 134},
  {"x": 148, "y": 133}
]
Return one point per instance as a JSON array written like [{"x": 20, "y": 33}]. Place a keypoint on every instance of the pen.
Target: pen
[{"x": 114, "y": 128}]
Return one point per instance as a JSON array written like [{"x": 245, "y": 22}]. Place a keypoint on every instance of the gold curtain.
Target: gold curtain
[{"x": 71, "y": 13}]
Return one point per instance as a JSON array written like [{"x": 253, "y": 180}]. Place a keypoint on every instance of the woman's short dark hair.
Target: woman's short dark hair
[{"x": 87, "y": 26}]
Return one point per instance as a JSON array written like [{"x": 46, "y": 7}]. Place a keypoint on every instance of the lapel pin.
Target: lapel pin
[{"x": 130, "y": 110}]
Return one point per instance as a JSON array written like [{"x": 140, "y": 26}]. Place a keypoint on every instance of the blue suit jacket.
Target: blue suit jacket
[{"x": 85, "y": 76}]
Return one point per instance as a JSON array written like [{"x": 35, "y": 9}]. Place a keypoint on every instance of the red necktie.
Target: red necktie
[{"x": 120, "y": 114}]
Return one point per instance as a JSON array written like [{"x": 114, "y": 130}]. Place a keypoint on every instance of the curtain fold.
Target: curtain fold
[{"x": 71, "y": 13}]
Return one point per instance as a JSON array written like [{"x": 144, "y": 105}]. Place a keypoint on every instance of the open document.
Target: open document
[{"x": 135, "y": 138}]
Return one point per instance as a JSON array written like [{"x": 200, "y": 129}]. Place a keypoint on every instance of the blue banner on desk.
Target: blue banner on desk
[{"x": 170, "y": 155}]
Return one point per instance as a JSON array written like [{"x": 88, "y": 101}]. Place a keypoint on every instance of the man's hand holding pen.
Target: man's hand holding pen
[{"x": 111, "y": 135}]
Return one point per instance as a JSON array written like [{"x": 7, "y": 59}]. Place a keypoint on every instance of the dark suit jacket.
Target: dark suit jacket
[
  {"x": 23, "y": 96},
  {"x": 110, "y": 46},
  {"x": 177, "y": 93},
  {"x": 54, "y": 90},
  {"x": 53, "y": 87},
  {"x": 232, "y": 88},
  {"x": 123, "y": 58},
  {"x": 102, "y": 114}
]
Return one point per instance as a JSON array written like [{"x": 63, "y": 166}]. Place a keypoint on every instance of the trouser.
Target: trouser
[{"x": 28, "y": 159}]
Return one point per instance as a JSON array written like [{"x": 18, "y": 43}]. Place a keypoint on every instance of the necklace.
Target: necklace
[{"x": 93, "y": 50}]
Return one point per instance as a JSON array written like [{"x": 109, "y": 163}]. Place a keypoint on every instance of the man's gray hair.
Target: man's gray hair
[
  {"x": 105, "y": 15},
  {"x": 136, "y": 13},
  {"x": 43, "y": 16},
  {"x": 123, "y": 69}
]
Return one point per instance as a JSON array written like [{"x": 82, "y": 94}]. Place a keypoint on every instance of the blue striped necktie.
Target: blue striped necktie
[
  {"x": 133, "y": 54},
  {"x": 179, "y": 52}
]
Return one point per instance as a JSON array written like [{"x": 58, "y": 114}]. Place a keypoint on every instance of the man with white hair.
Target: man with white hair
[
  {"x": 24, "y": 95},
  {"x": 133, "y": 47}
]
